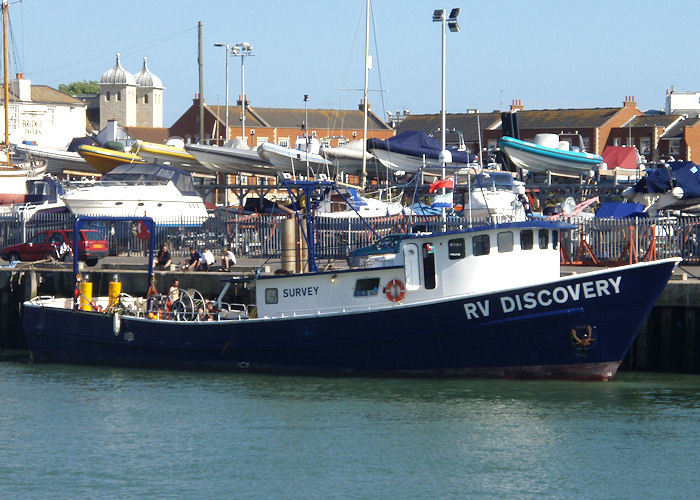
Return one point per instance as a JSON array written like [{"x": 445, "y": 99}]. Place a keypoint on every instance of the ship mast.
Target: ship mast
[
  {"x": 364, "y": 100},
  {"x": 6, "y": 85}
]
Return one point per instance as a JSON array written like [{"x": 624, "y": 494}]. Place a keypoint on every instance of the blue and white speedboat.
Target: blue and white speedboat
[
  {"x": 549, "y": 154},
  {"x": 480, "y": 301}
]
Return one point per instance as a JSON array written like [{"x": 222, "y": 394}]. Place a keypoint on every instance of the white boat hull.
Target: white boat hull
[
  {"x": 164, "y": 203},
  {"x": 57, "y": 161},
  {"x": 225, "y": 160},
  {"x": 293, "y": 161}
]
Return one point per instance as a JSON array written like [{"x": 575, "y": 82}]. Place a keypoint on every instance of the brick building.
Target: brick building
[{"x": 278, "y": 125}]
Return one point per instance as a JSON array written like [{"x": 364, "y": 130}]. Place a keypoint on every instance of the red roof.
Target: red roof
[{"x": 620, "y": 156}]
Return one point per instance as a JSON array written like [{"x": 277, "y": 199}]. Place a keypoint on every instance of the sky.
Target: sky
[{"x": 548, "y": 54}]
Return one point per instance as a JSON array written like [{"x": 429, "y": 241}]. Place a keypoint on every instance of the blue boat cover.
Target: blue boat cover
[
  {"x": 80, "y": 141},
  {"x": 415, "y": 143},
  {"x": 425, "y": 210},
  {"x": 684, "y": 174},
  {"x": 619, "y": 210}
]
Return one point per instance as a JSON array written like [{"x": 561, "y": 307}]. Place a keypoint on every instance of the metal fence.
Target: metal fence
[{"x": 259, "y": 236}]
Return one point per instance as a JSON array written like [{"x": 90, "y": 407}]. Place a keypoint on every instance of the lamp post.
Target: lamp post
[
  {"x": 228, "y": 49},
  {"x": 445, "y": 156},
  {"x": 242, "y": 50},
  {"x": 306, "y": 130}
]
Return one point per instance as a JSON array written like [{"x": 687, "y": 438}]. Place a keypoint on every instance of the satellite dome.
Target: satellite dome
[
  {"x": 145, "y": 78},
  {"x": 117, "y": 75}
]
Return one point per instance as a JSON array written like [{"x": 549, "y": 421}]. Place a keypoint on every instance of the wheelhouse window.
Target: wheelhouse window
[
  {"x": 544, "y": 238},
  {"x": 526, "y": 240},
  {"x": 271, "y": 296},
  {"x": 505, "y": 241},
  {"x": 555, "y": 239},
  {"x": 411, "y": 267},
  {"x": 429, "y": 265},
  {"x": 455, "y": 249},
  {"x": 481, "y": 245},
  {"x": 367, "y": 287}
]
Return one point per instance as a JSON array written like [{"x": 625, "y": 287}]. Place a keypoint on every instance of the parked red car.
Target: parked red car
[{"x": 91, "y": 247}]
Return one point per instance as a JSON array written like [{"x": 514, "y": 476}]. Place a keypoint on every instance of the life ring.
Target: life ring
[
  {"x": 116, "y": 324},
  {"x": 395, "y": 290}
]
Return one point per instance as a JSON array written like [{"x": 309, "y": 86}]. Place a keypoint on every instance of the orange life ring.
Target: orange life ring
[{"x": 395, "y": 290}]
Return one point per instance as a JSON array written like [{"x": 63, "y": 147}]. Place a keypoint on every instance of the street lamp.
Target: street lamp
[
  {"x": 241, "y": 50},
  {"x": 228, "y": 49},
  {"x": 439, "y": 16}
]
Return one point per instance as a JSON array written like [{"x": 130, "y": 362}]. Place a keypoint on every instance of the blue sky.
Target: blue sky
[{"x": 549, "y": 54}]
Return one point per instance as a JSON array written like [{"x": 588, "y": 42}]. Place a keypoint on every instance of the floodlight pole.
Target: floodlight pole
[
  {"x": 242, "y": 50},
  {"x": 228, "y": 48}
]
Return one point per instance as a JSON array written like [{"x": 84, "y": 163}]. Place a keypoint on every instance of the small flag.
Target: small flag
[
  {"x": 447, "y": 183},
  {"x": 443, "y": 200}
]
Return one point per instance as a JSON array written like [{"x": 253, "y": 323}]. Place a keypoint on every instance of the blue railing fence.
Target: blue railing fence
[{"x": 259, "y": 236}]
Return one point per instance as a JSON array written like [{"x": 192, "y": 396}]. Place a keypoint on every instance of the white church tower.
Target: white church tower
[
  {"x": 118, "y": 97},
  {"x": 149, "y": 98}
]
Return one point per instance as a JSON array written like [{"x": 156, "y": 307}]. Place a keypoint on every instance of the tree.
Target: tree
[{"x": 80, "y": 88}]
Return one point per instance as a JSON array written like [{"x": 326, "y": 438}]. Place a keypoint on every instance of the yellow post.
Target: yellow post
[
  {"x": 115, "y": 289},
  {"x": 85, "y": 296}
]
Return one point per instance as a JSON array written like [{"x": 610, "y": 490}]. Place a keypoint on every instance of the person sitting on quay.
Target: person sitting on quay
[
  {"x": 207, "y": 259},
  {"x": 228, "y": 259},
  {"x": 163, "y": 259},
  {"x": 194, "y": 260}
]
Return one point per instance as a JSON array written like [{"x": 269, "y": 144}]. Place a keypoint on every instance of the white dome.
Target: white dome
[
  {"x": 118, "y": 75},
  {"x": 145, "y": 78}
]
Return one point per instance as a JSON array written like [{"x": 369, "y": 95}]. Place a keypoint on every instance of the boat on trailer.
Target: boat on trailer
[
  {"x": 549, "y": 154},
  {"x": 484, "y": 301}
]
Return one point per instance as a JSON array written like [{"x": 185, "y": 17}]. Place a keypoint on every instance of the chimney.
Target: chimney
[
  {"x": 196, "y": 98},
  {"x": 239, "y": 102},
  {"x": 21, "y": 88},
  {"x": 630, "y": 102},
  {"x": 361, "y": 107},
  {"x": 517, "y": 105}
]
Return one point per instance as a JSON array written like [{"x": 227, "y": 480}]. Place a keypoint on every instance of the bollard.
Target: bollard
[
  {"x": 115, "y": 289},
  {"x": 85, "y": 295}
]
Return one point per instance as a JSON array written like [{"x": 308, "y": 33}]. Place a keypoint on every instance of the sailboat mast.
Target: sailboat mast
[
  {"x": 6, "y": 84},
  {"x": 364, "y": 100}
]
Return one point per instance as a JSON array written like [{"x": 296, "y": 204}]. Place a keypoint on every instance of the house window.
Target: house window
[
  {"x": 261, "y": 140},
  {"x": 271, "y": 296},
  {"x": 455, "y": 249},
  {"x": 526, "y": 240},
  {"x": 617, "y": 141},
  {"x": 505, "y": 241},
  {"x": 366, "y": 287},
  {"x": 119, "y": 96},
  {"x": 145, "y": 99},
  {"x": 108, "y": 96},
  {"x": 544, "y": 238},
  {"x": 674, "y": 146},
  {"x": 325, "y": 143},
  {"x": 587, "y": 143},
  {"x": 283, "y": 142},
  {"x": 481, "y": 245},
  {"x": 342, "y": 141},
  {"x": 645, "y": 145},
  {"x": 243, "y": 179}
]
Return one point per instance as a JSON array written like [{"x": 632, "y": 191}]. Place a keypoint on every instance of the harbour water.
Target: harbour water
[{"x": 77, "y": 432}]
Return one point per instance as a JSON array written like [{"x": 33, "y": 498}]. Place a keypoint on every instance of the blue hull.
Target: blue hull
[{"x": 579, "y": 327}]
